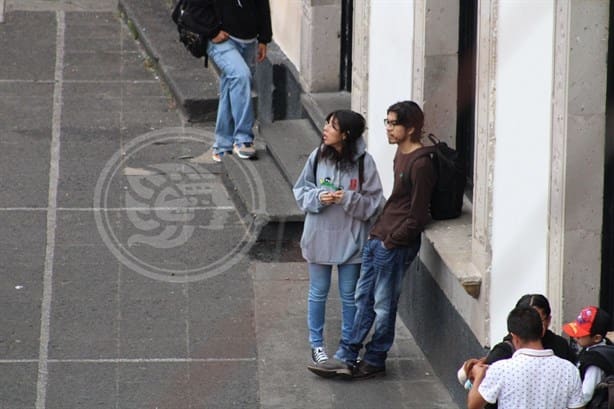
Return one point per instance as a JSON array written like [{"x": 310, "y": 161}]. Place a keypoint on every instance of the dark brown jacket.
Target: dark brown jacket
[{"x": 407, "y": 209}]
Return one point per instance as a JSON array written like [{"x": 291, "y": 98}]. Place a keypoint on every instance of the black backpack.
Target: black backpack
[
  {"x": 447, "y": 197},
  {"x": 601, "y": 356},
  {"x": 189, "y": 21}
]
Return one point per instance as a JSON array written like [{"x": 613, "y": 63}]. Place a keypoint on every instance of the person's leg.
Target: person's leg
[
  {"x": 234, "y": 92},
  {"x": 363, "y": 300},
  {"x": 241, "y": 96},
  {"x": 348, "y": 276},
  {"x": 345, "y": 357},
  {"x": 391, "y": 265},
  {"x": 319, "y": 284}
]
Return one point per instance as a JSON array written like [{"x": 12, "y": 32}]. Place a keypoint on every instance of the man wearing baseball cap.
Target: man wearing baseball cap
[{"x": 589, "y": 331}]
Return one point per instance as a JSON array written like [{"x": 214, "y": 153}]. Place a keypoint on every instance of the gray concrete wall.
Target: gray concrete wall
[
  {"x": 278, "y": 87},
  {"x": 320, "y": 45},
  {"x": 441, "y": 333},
  {"x": 585, "y": 97},
  {"x": 440, "y": 67}
]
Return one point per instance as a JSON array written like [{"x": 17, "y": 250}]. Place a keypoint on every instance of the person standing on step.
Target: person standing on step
[
  {"x": 393, "y": 243},
  {"x": 340, "y": 191},
  {"x": 238, "y": 31}
]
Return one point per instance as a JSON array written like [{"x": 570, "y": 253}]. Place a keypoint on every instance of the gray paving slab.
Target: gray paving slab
[
  {"x": 24, "y": 166},
  {"x": 25, "y": 105},
  {"x": 34, "y": 32},
  {"x": 61, "y": 5},
  {"x": 221, "y": 317},
  {"x": 18, "y": 382},
  {"x": 222, "y": 385},
  {"x": 81, "y": 385},
  {"x": 81, "y": 165},
  {"x": 22, "y": 255}
]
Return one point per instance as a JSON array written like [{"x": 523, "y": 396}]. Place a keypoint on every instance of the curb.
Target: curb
[{"x": 152, "y": 26}]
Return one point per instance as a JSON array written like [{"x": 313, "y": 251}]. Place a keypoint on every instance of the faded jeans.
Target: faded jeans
[
  {"x": 235, "y": 114},
  {"x": 319, "y": 284},
  {"x": 377, "y": 296}
]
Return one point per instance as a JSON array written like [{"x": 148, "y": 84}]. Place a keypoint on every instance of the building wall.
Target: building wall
[
  {"x": 522, "y": 156},
  {"x": 391, "y": 28},
  {"x": 286, "y": 16},
  {"x": 534, "y": 222},
  {"x": 578, "y": 162}
]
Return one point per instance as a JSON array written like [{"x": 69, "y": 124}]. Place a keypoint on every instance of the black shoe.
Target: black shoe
[
  {"x": 365, "y": 371},
  {"x": 318, "y": 355},
  {"x": 331, "y": 368}
]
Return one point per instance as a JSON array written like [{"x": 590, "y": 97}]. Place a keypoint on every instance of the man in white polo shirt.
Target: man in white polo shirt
[{"x": 533, "y": 378}]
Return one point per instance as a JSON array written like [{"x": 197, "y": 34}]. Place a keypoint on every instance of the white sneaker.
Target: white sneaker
[{"x": 244, "y": 150}]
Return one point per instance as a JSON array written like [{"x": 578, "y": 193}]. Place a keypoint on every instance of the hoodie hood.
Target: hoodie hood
[{"x": 361, "y": 148}]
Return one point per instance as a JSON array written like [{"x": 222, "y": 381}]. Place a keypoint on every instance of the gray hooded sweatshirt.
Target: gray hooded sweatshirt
[{"x": 335, "y": 234}]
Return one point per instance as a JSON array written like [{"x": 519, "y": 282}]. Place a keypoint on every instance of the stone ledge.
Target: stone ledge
[{"x": 451, "y": 241}]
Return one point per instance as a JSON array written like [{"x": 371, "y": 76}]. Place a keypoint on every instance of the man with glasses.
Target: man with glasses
[{"x": 393, "y": 244}]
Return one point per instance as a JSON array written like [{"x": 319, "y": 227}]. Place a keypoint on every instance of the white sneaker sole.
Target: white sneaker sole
[{"x": 244, "y": 155}]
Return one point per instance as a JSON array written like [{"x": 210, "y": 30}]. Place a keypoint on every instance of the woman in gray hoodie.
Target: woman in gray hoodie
[{"x": 340, "y": 191}]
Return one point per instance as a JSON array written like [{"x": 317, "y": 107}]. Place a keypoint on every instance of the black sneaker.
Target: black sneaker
[
  {"x": 331, "y": 368},
  {"x": 365, "y": 371},
  {"x": 318, "y": 355}
]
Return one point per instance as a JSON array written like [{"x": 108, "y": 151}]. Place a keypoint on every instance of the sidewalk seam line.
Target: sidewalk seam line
[{"x": 54, "y": 172}]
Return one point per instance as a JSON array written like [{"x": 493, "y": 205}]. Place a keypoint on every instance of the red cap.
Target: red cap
[{"x": 583, "y": 324}]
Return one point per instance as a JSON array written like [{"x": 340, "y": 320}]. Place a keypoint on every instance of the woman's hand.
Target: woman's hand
[
  {"x": 338, "y": 196},
  {"x": 327, "y": 198}
]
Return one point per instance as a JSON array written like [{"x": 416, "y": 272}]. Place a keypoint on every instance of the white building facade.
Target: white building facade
[{"x": 538, "y": 80}]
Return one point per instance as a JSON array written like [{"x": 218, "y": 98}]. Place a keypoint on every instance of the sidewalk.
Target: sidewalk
[{"x": 280, "y": 291}]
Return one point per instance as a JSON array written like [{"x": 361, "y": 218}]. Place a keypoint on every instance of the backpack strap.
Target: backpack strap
[
  {"x": 361, "y": 169},
  {"x": 424, "y": 151},
  {"x": 315, "y": 166}
]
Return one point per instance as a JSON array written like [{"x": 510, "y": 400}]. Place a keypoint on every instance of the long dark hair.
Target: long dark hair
[
  {"x": 535, "y": 300},
  {"x": 352, "y": 125}
]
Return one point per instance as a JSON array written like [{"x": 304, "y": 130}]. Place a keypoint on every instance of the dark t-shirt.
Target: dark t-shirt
[
  {"x": 407, "y": 209},
  {"x": 244, "y": 19},
  {"x": 558, "y": 344}
]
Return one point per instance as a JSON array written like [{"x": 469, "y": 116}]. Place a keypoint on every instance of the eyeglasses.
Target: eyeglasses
[{"x": 390, "y": 124}]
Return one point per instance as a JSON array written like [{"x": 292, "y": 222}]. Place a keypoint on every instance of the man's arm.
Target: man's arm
[
  {"x": 592, "y": 377},
  {"x": 474, "y": 399}
]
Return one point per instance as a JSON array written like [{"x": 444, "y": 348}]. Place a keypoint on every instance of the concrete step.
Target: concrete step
[
  {"x": 194, "y": 87},
  {"x": 318, "y": 105},
  {"x": 262, "y": 189},
  {"x": 290, "y": 142}
]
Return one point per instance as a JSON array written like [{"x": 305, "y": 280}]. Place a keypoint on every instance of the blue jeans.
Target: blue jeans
[
  {"x": 377, "y": 296},
  {"x": 235, "y": 114},
  {"x": 319, "y": 284}
]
